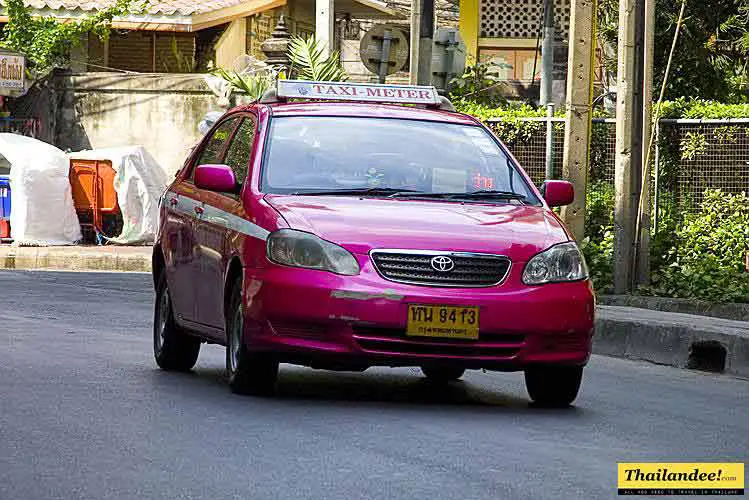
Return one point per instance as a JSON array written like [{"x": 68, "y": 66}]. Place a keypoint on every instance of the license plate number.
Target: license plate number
[{"x": 443, "y": 321}]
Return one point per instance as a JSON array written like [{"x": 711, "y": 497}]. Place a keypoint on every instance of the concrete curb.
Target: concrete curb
[
  {"x": 738, "y": 312},
  {"x": 669, "y": 338},
  {"x": 136, "y": 259}
]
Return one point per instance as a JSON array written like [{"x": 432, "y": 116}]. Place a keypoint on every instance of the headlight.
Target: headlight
[
  {"x": 562, "y": 262},
  {"x": 299, "y": 249}
]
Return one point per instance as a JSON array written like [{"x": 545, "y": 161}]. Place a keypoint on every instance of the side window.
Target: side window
[
  {"x": 215, "y": 145},
  {"x": 240, "y": 149}
]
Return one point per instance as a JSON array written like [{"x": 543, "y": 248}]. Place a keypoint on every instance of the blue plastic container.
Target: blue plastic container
[{"x": 4, "y": 197}]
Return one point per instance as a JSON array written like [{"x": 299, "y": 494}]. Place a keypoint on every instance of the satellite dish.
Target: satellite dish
[{"x": 370, "y": 48}]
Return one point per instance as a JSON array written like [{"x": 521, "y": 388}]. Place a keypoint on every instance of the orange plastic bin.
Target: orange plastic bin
[{"x": 94, "y": 198}]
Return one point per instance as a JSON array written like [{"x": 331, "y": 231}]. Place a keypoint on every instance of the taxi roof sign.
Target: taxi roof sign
[{"x": 360, "y": 92}]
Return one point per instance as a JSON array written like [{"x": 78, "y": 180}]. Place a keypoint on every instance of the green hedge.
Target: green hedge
[
  {"x": 698, "y": 108},
  {"x": 680, "y": 108}
]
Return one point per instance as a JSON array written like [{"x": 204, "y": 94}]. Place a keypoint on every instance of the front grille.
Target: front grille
[
  {"x": 415, "y": 267},
  {"x": 395, "y": 341}
]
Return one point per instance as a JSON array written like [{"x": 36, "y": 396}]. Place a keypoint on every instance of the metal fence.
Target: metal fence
[
  {"x": 690, "y": 157},
  {"x": 697, "y": 155}
]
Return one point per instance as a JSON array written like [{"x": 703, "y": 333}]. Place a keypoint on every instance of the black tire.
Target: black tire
[
  {"x": 442, "y": 374},
  {"x": 173, "y": 349},
  {"x": 252, "y": 374},
  {"x": 553, "y": 386}
]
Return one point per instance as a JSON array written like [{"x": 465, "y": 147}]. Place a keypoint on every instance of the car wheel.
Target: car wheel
[
  {"x": 554, "y": 386},
  {"x": 442, "y": 374},
  {"x": 173, "y": 349},
  {"x": 249, "y": 373}
]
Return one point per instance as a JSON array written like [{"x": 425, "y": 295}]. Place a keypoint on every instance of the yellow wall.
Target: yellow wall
[
  {"x": 469, "y": 26},
  {"x": 232, "y": 44}
]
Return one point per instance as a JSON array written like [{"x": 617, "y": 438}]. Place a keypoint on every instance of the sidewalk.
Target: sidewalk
[
  {"x": 77, "y": 258},
  {"x": 676, "y": 339}
]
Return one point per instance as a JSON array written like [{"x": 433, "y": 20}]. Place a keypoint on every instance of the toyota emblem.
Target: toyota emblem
[{"x": 442, "y": 263}]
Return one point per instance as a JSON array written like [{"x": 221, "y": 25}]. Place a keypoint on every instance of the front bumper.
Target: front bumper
[{"x": 321, "y": 319}]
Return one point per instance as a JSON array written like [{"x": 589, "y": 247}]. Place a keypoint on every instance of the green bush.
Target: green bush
[
  {"x": 480, "y": 83},
  {"x": 598, "y": 245},
  {"x": 599, "y": 208},
  {"x": 701, "y": 108},
  {"x": 599, "y": 255},
  {"x": 707, "y": 258}
]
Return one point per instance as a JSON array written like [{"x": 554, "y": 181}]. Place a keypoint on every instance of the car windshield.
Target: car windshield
[{"x": 376, "y": 156}]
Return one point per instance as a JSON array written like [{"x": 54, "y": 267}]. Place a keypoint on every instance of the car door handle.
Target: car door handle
[{"x": 199, "y": 210}]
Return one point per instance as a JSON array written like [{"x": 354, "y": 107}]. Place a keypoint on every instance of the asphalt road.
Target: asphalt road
[{"x": 85, "y": 413}]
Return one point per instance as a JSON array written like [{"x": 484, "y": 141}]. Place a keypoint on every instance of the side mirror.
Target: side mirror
[
  {"x": 558, "y": 193},
  {"x": 215, "y": 178}
]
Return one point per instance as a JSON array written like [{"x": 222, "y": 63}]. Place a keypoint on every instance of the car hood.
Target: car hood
[{"x": 363, "y": 224}]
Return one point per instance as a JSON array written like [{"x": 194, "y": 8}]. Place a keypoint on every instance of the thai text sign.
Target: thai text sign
[{"x": 12, "y": 68}]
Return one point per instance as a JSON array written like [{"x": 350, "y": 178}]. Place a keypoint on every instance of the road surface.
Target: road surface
[{"x": 85, "y": 413}]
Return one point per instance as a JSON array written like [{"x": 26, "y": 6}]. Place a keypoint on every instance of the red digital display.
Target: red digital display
[{"x": 482, "y": 181}]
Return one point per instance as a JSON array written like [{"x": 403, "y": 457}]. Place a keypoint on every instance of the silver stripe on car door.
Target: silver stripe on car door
[{"x": 216, "y": 216}]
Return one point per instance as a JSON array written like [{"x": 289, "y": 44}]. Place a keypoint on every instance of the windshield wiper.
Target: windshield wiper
[
  {"x": 481, "y": 194},
  {"x": 373, "y": 191}
]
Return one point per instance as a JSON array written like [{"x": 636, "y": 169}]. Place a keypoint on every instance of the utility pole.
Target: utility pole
[
  {"x": 547, "y": 54},
  {"x": 422, "y": 31},
  {"x": 630, "y": 124},
  {"x": 642, "y": 274},
  {"x": 547, "y": 70},
  {"x": 579, "y": 114},
  {"x": 325, "y": 24}
]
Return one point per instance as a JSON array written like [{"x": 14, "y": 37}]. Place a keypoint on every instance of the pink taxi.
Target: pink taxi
[{"x": 348, "y": 233}]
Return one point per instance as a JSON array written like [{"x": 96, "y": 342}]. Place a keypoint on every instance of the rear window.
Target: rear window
[{"x": 329, "y": 153}]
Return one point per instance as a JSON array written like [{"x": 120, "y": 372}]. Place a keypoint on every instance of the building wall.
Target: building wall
[
  {"x": 158, "y": 112},
  {"x": 445, "y": 11},
  {"x": 143, "y": 52},
  {"x": 507, "y": 31},
  {"x": 520, "y": 18},
  {"x": 299, "y": 21},
  {"x": 259, "y": 28},
  {"x": 232, "y": 44}
]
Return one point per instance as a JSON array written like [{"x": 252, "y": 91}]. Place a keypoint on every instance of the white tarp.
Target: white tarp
[
  {"x": 42, "y": 205},
  {"x": 139, "y": 183},
  {"x": 43, "y": 212}
]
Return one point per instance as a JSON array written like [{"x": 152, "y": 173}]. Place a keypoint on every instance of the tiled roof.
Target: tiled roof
[{"x": 164, "y": 7}]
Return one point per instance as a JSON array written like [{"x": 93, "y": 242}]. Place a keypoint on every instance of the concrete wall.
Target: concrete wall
[{"x": 160, "y": 112}]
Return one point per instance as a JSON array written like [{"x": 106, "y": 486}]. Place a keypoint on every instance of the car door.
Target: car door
[
  {"x": 215, "y": 235},
  {"x": 184, "y": 208}
]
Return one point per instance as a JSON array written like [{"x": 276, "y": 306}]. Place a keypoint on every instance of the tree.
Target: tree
[
  {"x": 712, "y": 56},
  {"x": 46, "y": 41}
]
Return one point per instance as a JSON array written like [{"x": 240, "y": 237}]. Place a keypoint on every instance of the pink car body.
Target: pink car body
[{"x": 208, "y": 239}]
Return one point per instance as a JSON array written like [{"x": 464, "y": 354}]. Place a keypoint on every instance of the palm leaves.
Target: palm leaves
[
  {"x": 308, "y": 61},
  {"x": 253, "y": 85}
]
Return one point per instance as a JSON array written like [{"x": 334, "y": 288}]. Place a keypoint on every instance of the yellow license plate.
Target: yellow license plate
[{"x": 443, "y": 321}]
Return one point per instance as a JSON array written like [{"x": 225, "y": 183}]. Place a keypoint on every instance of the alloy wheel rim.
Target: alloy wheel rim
[
  {"x": 236, "y": 340},
  {"x": 163, "y": 318}
]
